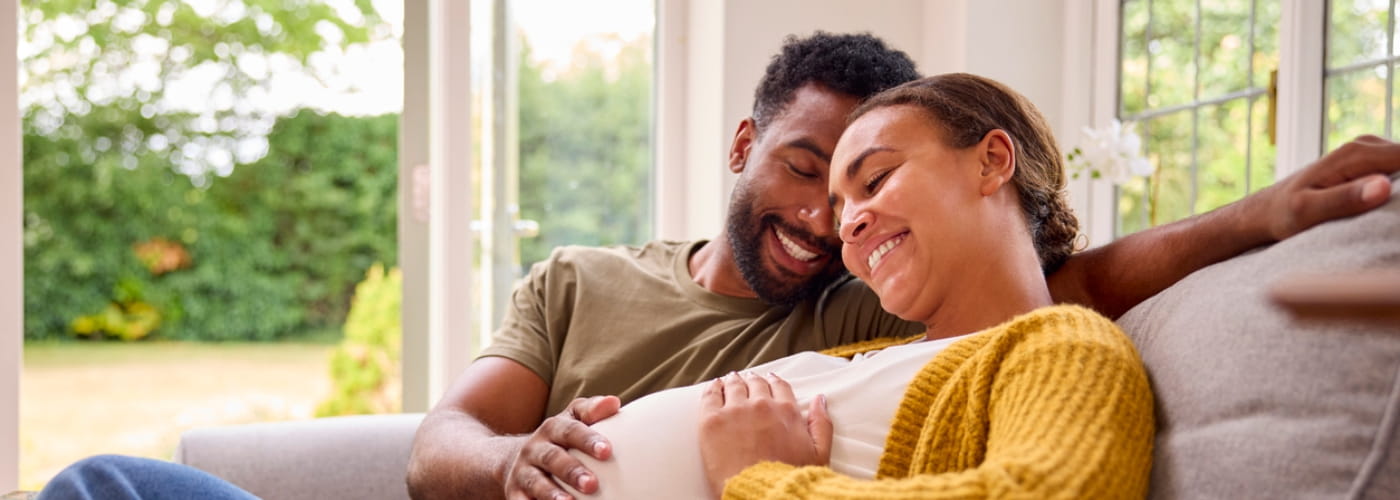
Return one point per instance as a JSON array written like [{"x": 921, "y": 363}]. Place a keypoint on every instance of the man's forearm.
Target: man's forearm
[
  {"x": 456, "y": 456},
  {"x": 1115, "y": 277}
]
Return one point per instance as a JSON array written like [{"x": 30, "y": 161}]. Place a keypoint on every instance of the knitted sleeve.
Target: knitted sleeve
[{"x": 1055, "y": 407}]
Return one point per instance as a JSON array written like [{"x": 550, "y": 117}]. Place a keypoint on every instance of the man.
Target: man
[{"x": 627, "y": 322}]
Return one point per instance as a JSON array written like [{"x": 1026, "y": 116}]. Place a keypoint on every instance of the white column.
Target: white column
[
  {"x": 671, "y": 194},
  {"x": 450, "y": 158},
  {"x": 1299, "y": 123},
  {"x": 414, "y": 207},
  {"x": 11, "y": 248}
]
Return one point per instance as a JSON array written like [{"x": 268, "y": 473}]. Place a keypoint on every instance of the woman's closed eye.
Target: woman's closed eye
[{"x": 874, "y": 183}]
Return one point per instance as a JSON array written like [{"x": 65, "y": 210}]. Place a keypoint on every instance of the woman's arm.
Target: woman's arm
[{"x": 1053, "y": 407}]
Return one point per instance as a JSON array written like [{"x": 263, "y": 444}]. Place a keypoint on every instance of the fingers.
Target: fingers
[
  {"x": 757, "y": 386},
  {"x": 534, "y": 483},
  {"x": 1363, "y": 156},
  {"x": 819, "y": 426},
  {"x": 551, "y": 454},
  {"x": 713, "y": 397},
  {"x": 781, "y": 390},
  {"x": 735, "y": 389},
  {"x": 1346, "y": 199},
  {"x": 568, "y": 431},
  {"x": 592, "y": 410},
  {"x": 1375, "y": 190}
]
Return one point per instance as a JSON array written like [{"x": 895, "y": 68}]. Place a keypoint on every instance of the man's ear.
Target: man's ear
[
  {"x": 997, "y": 155},
  {"x": 743, "y": 143}
]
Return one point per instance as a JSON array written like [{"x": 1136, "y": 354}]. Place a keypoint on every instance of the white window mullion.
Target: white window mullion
[
  {"x": 1300, "y": 79},
  {"x": 435, "y": 190},
  {"x": 450, "y": 240},
  {"x": 11, "y": 249},
  {"x": 415, "y": 183},
  {"x": 1103, "y": 198}
]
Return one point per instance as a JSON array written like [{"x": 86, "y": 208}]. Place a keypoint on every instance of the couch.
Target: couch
[{"x": 1252, "y": 402}]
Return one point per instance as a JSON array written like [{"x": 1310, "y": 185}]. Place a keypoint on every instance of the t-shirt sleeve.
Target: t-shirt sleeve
[
  {"x": 525, "y": 333},
  {"x": 851, "y": 312}
]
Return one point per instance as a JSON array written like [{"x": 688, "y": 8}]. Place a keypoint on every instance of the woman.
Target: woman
[
  {"x": 949, "y": 192},
  {"x": 929, "y": 180}
]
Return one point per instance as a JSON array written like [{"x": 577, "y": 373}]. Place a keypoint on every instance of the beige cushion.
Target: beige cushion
[
  {"x": 1254, "y": 403},
  {"x": 355, "y": 457}
]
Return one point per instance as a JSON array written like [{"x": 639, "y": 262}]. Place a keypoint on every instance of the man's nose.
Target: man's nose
[{"x": 820, "y": 219}]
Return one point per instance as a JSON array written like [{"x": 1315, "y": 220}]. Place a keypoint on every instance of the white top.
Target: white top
[{"x": 655, "y": 438}]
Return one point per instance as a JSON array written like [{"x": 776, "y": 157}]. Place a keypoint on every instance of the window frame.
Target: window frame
[
  {"x": 11, "y": 249},
  {"x": 1298, "y": 117}
]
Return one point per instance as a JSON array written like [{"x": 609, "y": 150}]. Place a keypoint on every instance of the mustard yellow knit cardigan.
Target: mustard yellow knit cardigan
[{"x": 1051, "y": 404}]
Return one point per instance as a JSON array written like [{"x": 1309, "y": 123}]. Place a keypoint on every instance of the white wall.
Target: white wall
[
  {"x": 11, "y": 249},
  {"x": 727, "y": 44}
]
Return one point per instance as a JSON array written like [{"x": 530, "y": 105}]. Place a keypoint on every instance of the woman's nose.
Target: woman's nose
[{"x": 853, "y": 228}]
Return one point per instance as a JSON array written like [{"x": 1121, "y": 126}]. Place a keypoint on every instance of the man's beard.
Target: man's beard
[{"x": 746, "y": 234}]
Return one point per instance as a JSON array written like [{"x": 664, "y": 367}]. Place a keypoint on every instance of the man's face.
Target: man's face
[{"x": 780, "y": 224}]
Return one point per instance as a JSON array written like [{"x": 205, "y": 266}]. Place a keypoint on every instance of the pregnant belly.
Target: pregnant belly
[{"x": 656, "y": 451}]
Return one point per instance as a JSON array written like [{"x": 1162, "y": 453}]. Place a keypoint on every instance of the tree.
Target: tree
[{"x": 78, "y": 56}]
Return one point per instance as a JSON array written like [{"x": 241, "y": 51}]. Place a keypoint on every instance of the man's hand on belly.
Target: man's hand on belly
[{"x": 545, "y": 456}]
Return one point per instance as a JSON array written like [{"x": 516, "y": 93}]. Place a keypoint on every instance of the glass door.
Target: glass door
[{"x": 564, "y": 132}]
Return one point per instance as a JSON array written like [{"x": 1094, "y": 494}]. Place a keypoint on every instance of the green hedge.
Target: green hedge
[{"x": 271, "y": 251}]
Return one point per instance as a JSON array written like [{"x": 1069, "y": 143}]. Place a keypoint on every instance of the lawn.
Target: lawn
[{"x": 85, "y": 398}]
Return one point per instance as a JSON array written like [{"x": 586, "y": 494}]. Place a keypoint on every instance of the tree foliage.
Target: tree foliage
[
  {"x": 274, "y": 249},
  {"x": 81, "y": 56},
  {"x": 585, "y": 150}
]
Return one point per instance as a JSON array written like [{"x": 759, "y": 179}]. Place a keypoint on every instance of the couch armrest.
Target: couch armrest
[{"x": 340, "y": 457}]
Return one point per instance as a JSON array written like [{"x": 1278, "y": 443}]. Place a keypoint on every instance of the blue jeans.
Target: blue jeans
[{"x": 117, "y": 477}]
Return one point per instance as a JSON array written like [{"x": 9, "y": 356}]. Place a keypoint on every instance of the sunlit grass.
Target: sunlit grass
[{"x": 85, "y": 398}]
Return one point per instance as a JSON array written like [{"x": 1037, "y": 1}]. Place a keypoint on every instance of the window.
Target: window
[
  {"x": 1195, "y": 77},
  {"x": 565, "y": 132},
  {"x": 197, "y": 171},
  {"x": 1359, "y": 76}
]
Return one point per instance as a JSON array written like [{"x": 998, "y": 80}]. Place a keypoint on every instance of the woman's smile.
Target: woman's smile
[{"x": 883, "y": 250}]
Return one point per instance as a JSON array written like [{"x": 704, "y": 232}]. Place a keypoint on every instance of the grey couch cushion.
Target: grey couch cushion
[
  {"x": 343, "y": 457},
  {"x": 1255, "y": 403}
]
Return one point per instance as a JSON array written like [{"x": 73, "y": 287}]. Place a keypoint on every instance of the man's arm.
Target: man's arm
[
  {"x": 1115, "y": 277},
  {"x": 483, "y": 436}
]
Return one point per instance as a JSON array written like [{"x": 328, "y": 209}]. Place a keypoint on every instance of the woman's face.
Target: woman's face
[{"x": 909, "y": 207}]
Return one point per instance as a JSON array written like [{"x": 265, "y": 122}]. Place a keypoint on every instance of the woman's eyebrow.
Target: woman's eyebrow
[{"x": 859, "y": 162}]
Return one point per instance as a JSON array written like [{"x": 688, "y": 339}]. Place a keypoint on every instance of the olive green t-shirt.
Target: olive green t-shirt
[{"x": 630, "y": 321}]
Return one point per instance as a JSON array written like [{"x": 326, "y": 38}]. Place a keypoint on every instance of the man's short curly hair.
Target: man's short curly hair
[{"x": 856, "y": 64}]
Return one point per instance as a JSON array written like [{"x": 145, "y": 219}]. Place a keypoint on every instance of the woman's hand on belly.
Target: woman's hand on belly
[
  {"x": 545, "y": 453},
  {"x": 747, "y": 419}
]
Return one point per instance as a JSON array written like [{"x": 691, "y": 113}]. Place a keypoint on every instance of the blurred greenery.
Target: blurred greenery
[
  {"x": 365, "y": 368},
  {"x": 1356, "y": 97},
  {"x": 1210, "y": 155},
  {"x": 585, "y": 150},
  {"x": 80, "y": 57},
  {"x": 136, "y": 222},
  {"x": 242, "y": 222},
  {"x": 274, "y": 249}
]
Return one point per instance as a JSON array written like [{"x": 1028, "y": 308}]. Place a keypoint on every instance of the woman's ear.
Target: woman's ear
[
  {"x": 997, "y": 155},
  {"x": 743, "y": 143}
]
